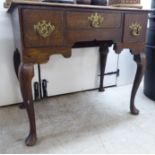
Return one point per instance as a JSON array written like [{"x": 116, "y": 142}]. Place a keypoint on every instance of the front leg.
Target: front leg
[
  {"x": 140, "y": 59},
  {"x": 103, "y": 59},
  {"x": 26, "y": 73}
]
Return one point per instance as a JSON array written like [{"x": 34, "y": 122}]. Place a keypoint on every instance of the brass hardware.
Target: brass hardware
[
  {"x": 44, "y": 28},
  {"x": 96, "y": 20},
  {"x": 135, "y": 29}
]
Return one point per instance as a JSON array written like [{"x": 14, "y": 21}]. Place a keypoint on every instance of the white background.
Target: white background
[{"x": 80, "y": 72}]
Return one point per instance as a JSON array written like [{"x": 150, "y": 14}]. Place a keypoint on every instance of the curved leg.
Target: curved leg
[
  {"x": 140, "y": 59},
  {"x": 17, "y": 61},
  {"x": 103, "y": 59},
  {"x": 26, "y": 73}
]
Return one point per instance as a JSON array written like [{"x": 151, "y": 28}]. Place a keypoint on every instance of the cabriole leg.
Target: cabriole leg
[
  {"x": 103, "y": 59},
  {"x": 140, "y": 59},
  {"x": 26, "y": 73},
  {"x": 17, "y": 61}
]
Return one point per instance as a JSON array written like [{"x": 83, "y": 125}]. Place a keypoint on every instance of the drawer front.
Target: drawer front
[
  {"x": 88, "y": 20},
  {"x": 135, "y": 27},
  {"x": 42, "y": 28}
]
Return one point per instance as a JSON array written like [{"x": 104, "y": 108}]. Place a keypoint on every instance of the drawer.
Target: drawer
[
  {"x": 87, "y": 20},
  {"x": 135, "y": 27},
  {"x": 42, "y": 28}
]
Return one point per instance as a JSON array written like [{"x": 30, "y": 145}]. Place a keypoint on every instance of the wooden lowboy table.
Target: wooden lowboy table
[{"x": 43, "y": 29}]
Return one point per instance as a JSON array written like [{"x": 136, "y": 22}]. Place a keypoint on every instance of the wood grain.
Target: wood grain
[{"x": 73, "y": 30}]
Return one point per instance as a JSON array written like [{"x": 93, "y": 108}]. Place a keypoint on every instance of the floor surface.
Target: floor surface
[{"x": 88, "y": 122}]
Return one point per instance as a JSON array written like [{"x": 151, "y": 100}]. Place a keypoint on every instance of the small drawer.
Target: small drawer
[
  {"x": 88, "y": 20},
  {"x": 42, "y": 28},
  {"x": 135, "y": 27}
]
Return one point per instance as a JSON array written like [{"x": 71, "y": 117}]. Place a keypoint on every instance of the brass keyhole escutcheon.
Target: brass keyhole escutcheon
[
  {"x": 96, "y": 20},
  {"x": 44, "y": 28},
  {"x": 135, "y": 29}
]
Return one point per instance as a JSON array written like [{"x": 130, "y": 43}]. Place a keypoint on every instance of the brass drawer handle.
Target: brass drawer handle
[
  {"x": 44, "y": 28},
  {"x": 135, "y": 29},
  {"x": 96, "y": 20}
]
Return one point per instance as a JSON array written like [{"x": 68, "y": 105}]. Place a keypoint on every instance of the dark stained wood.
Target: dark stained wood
[
  {"x": 136, "y": 48},
  {"x": 94, "y": 34},
  {"x": 26, "y": 73},
  {"x": 42, "y": 55},
  {"x": 72, "y": 29},
  {"x": 32, "y": 17},
  {"x": 17, "y": 61},
  {"x": 104, "y": 49},
  {"x": 110, "y": 20},
  {"x": 135, "y": 18},
  {"x": 140, "y": 59}
]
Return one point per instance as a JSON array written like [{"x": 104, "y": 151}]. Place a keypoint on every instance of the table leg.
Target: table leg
[
  {"x": 103, "y": 59},
  {"x": 26, "y": 73},
  {"x": 140, "y": 59},
  {"x": 17, "y": 61}
]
